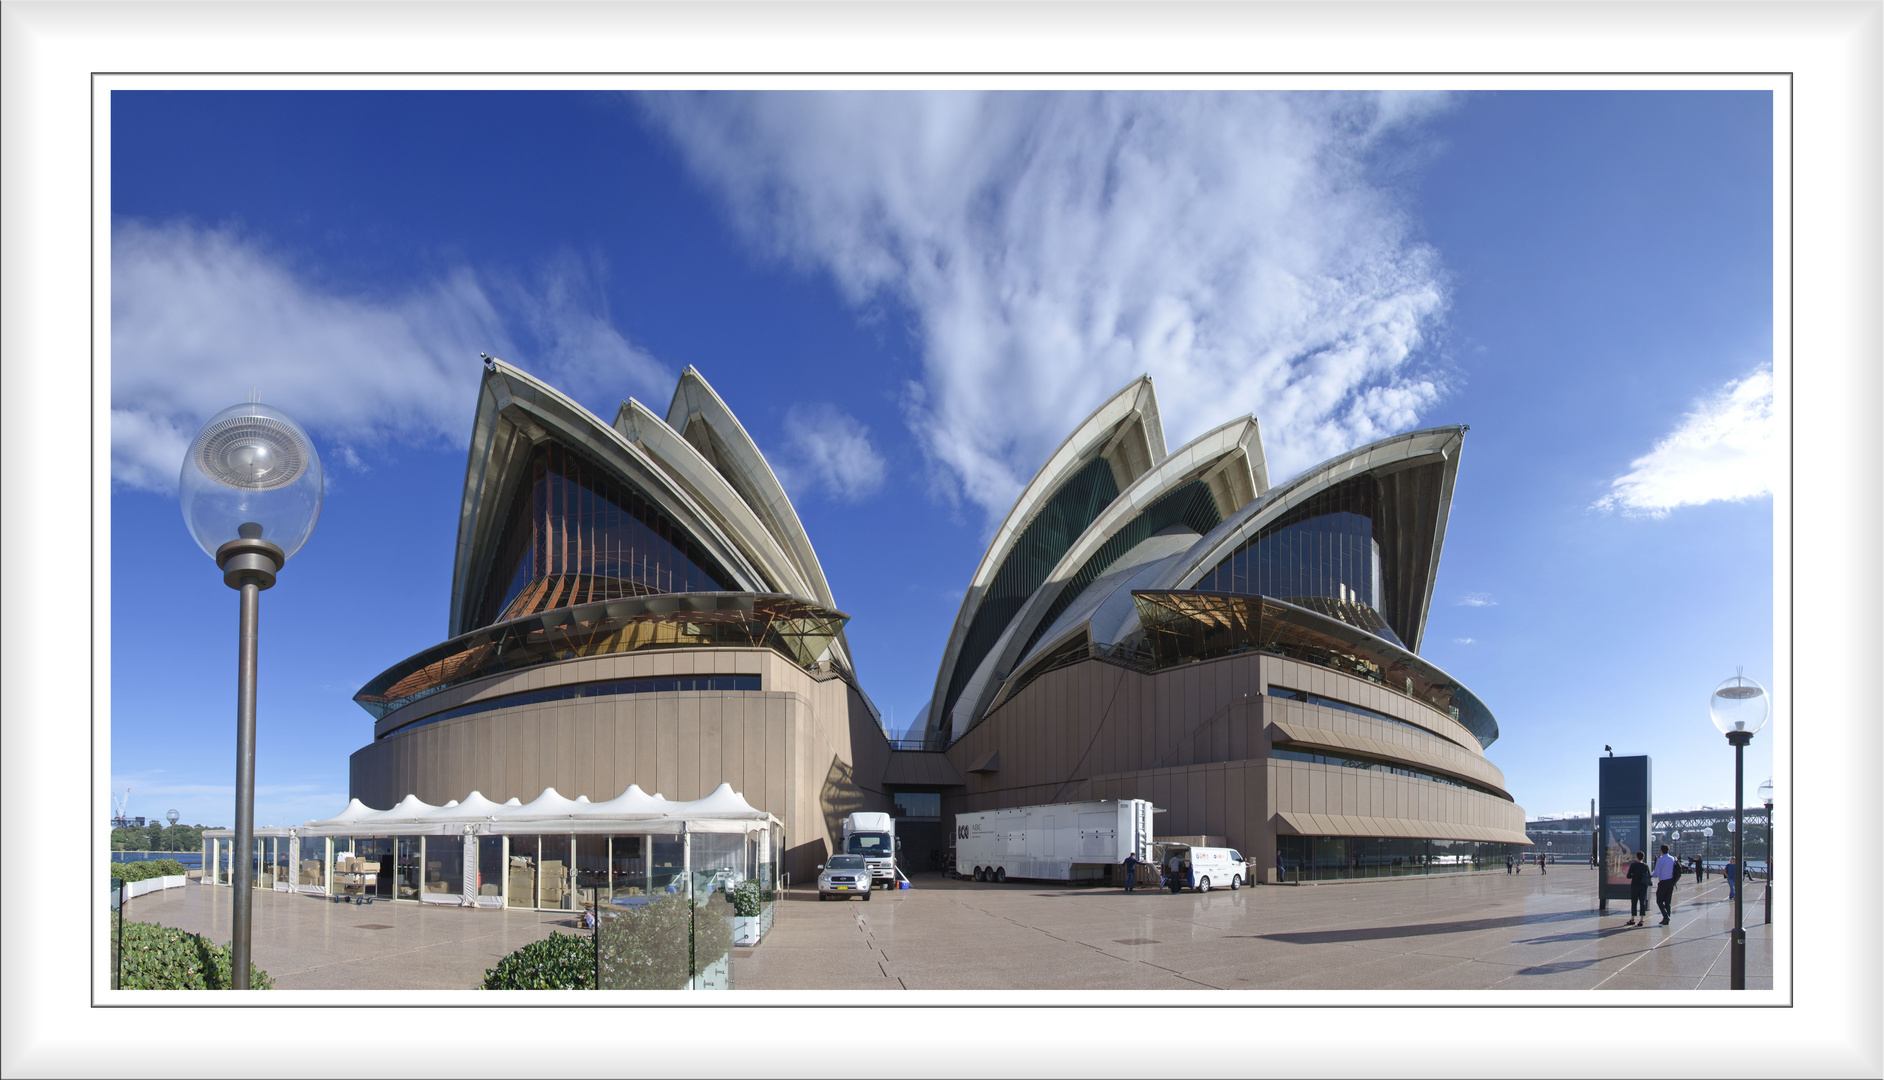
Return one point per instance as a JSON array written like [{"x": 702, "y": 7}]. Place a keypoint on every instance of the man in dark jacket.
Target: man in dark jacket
[{"x": 1639, "y": 875}]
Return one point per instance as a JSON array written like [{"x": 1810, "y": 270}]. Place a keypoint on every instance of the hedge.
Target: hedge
[
  {"x": 154, "y": 957},
  {"x": 140, "y": 871},
  {"x": 558, "y": 962}
]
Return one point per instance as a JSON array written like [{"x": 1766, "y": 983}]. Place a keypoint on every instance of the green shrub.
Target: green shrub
[
  {"x": 154, "y": 957},
  {"x": 140, "y": 871},
  {"x": 558, "y": 962},
  {"x": 646, "y": 946},
  {"x": 748, "y": 899}
]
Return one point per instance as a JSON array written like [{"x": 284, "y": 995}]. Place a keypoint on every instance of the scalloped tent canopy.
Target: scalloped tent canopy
[{"x": 631, "y": 805}]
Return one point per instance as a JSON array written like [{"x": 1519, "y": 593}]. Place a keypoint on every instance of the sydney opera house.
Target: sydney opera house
[{"x": 637, "y": 603}]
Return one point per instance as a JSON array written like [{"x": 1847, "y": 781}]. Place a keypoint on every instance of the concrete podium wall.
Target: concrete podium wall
[
  {"x": 1195, "y": 740},
  {"x": 805, "y": 749}
]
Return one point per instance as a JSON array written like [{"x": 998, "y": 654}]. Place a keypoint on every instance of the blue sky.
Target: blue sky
[{"x": 908, "y": 300}]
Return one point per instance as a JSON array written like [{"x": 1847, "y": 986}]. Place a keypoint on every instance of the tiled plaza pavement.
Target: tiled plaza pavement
[
  {"x": 1452, "y": 932},
  {"x": 1481, "y": 931},
  {"x": 312, "y": 943}
]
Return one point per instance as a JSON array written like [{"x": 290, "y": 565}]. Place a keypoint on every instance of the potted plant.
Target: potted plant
[{"x": 752, "y": 912}]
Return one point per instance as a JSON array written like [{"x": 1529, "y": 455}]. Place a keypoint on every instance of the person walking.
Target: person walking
[
  {"x": 1540, "y": 863},
  {"x": 1507, "y": 862},
  {"x": 1665, "y": 884},
  {"x": 1732, "y": 874},
  {"x": 1639, "y": 875},
  {"x": 1131, "y": 870},
  {"x": 1282, "y": 868}
]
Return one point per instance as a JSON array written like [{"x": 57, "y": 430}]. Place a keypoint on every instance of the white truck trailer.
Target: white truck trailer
[
  {"x": 1055, "y": 842},
  {"x": 873, "y": 835}
]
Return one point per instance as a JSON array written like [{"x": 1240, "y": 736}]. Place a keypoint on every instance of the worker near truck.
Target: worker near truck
[{"x": 1131, "y": 870}]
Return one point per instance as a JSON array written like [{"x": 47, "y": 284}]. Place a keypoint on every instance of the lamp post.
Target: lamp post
[
  {"x": 250, "y": 492},
  {"x": 1739, "y": 709},
  {"x": 172, "y": 816},
  {"x": 1766, "y": 795}
]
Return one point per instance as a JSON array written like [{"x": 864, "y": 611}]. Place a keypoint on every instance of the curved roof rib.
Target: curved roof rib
[
  {"x": 678, "y": 457},
  {"x": 515, "y": 412},
  {"x": 1416, "y": 503},
  {"x": 704, "y": 421},
  {"x": 1125, "y": 432},
  {"x": 1217, "y": 469}
]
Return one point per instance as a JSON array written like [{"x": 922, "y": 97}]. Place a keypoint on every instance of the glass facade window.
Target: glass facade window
[
  {"x": 578, "y": 534},
  {"x": 719, "y": 860},
  {"x": 627, "y": 867},
  {"x": 490, "y": 867},
  {"x": 793, "y": 628},
  {"x": 1345, "y": 760},
  {"x": 659, "y": 684},
  {"x": 380, "y": 850},
  {"x": 667, "y": 863},
  {"x": 1327, "y": 548},
  {"x": 1185, "y": 627},
  {"x": 1038, "y": 549},
  {"x": 591, "y": 869},
  {"x": 313, "y": 869},
  {"x": 1189, "y": 506},
  {"x": 1325, "y": 858},
  {"x": 444, "y": 866},
  {"x": 521, "y": 871},
  {"x": 1332, "y": 703},
  {"x": 406, "y": 869},
  {"x": 555, "y": 873},
  {"x": 918, "y": 804},
  {"x": 260, "y": 876}
]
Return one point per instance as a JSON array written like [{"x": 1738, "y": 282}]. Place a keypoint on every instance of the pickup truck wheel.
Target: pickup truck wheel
[
  {"x": 1236, "y": 883},
  {"x": 1000, "y": 874},
  {"x": 869, "y": 896},
  {"x": 1203, "y": 884},
  {"x": 822, "y": 898}
]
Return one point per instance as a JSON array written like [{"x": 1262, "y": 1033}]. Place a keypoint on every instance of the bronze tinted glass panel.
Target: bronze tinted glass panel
[{"x": 1185, "y": 627}]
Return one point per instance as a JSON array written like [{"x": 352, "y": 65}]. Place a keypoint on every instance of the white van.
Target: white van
[{"x": 1203, "y": 868}]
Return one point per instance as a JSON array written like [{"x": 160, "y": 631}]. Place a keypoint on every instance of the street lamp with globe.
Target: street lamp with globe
[
  {"x": 172, "y": 816},
  {"x": 1766, "y": 796},
  {"x": 1739, "y": 709},
  {"x": 251, "y": 491}
]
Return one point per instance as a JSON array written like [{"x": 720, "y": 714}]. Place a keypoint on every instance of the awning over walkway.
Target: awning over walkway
[{"x": 1293, "y": 823}]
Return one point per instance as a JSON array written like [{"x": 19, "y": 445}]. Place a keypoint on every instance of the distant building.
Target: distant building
[{"x": 1706, "y": 833}]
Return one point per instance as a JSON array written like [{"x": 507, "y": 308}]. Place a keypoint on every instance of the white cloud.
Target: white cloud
[
  {"x": 1465, "y": 641},
  {"x": 1054, "y": 246},
  {"x": 1726, "y": 449},
  {"x": 201, "y": 317},
  {"x": 829, "y": 450},
  {"x": 1477, "y": 599}
]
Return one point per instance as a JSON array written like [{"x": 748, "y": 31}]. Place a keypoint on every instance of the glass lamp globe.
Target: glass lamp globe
[
  {"x": 1739, "y": 705},
  {"x": 250, "y": 468},
  {"x": 1766, "y": 791}
]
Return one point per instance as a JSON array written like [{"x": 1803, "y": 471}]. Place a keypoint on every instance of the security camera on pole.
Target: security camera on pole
[
  {"x": 1739, "y": 708},
  {"x": 251, "y": 492}
]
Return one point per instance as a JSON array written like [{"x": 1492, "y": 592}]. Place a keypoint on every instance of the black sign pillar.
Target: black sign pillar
[{"x": 1626, "y": 814}]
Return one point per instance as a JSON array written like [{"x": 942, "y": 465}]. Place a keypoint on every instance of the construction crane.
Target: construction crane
[{"x": 119, "y": 820}]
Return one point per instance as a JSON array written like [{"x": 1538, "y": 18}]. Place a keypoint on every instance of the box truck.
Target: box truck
[
  {"x": 873, "y": 835},
  {"x": 1057, "y": 842}
]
